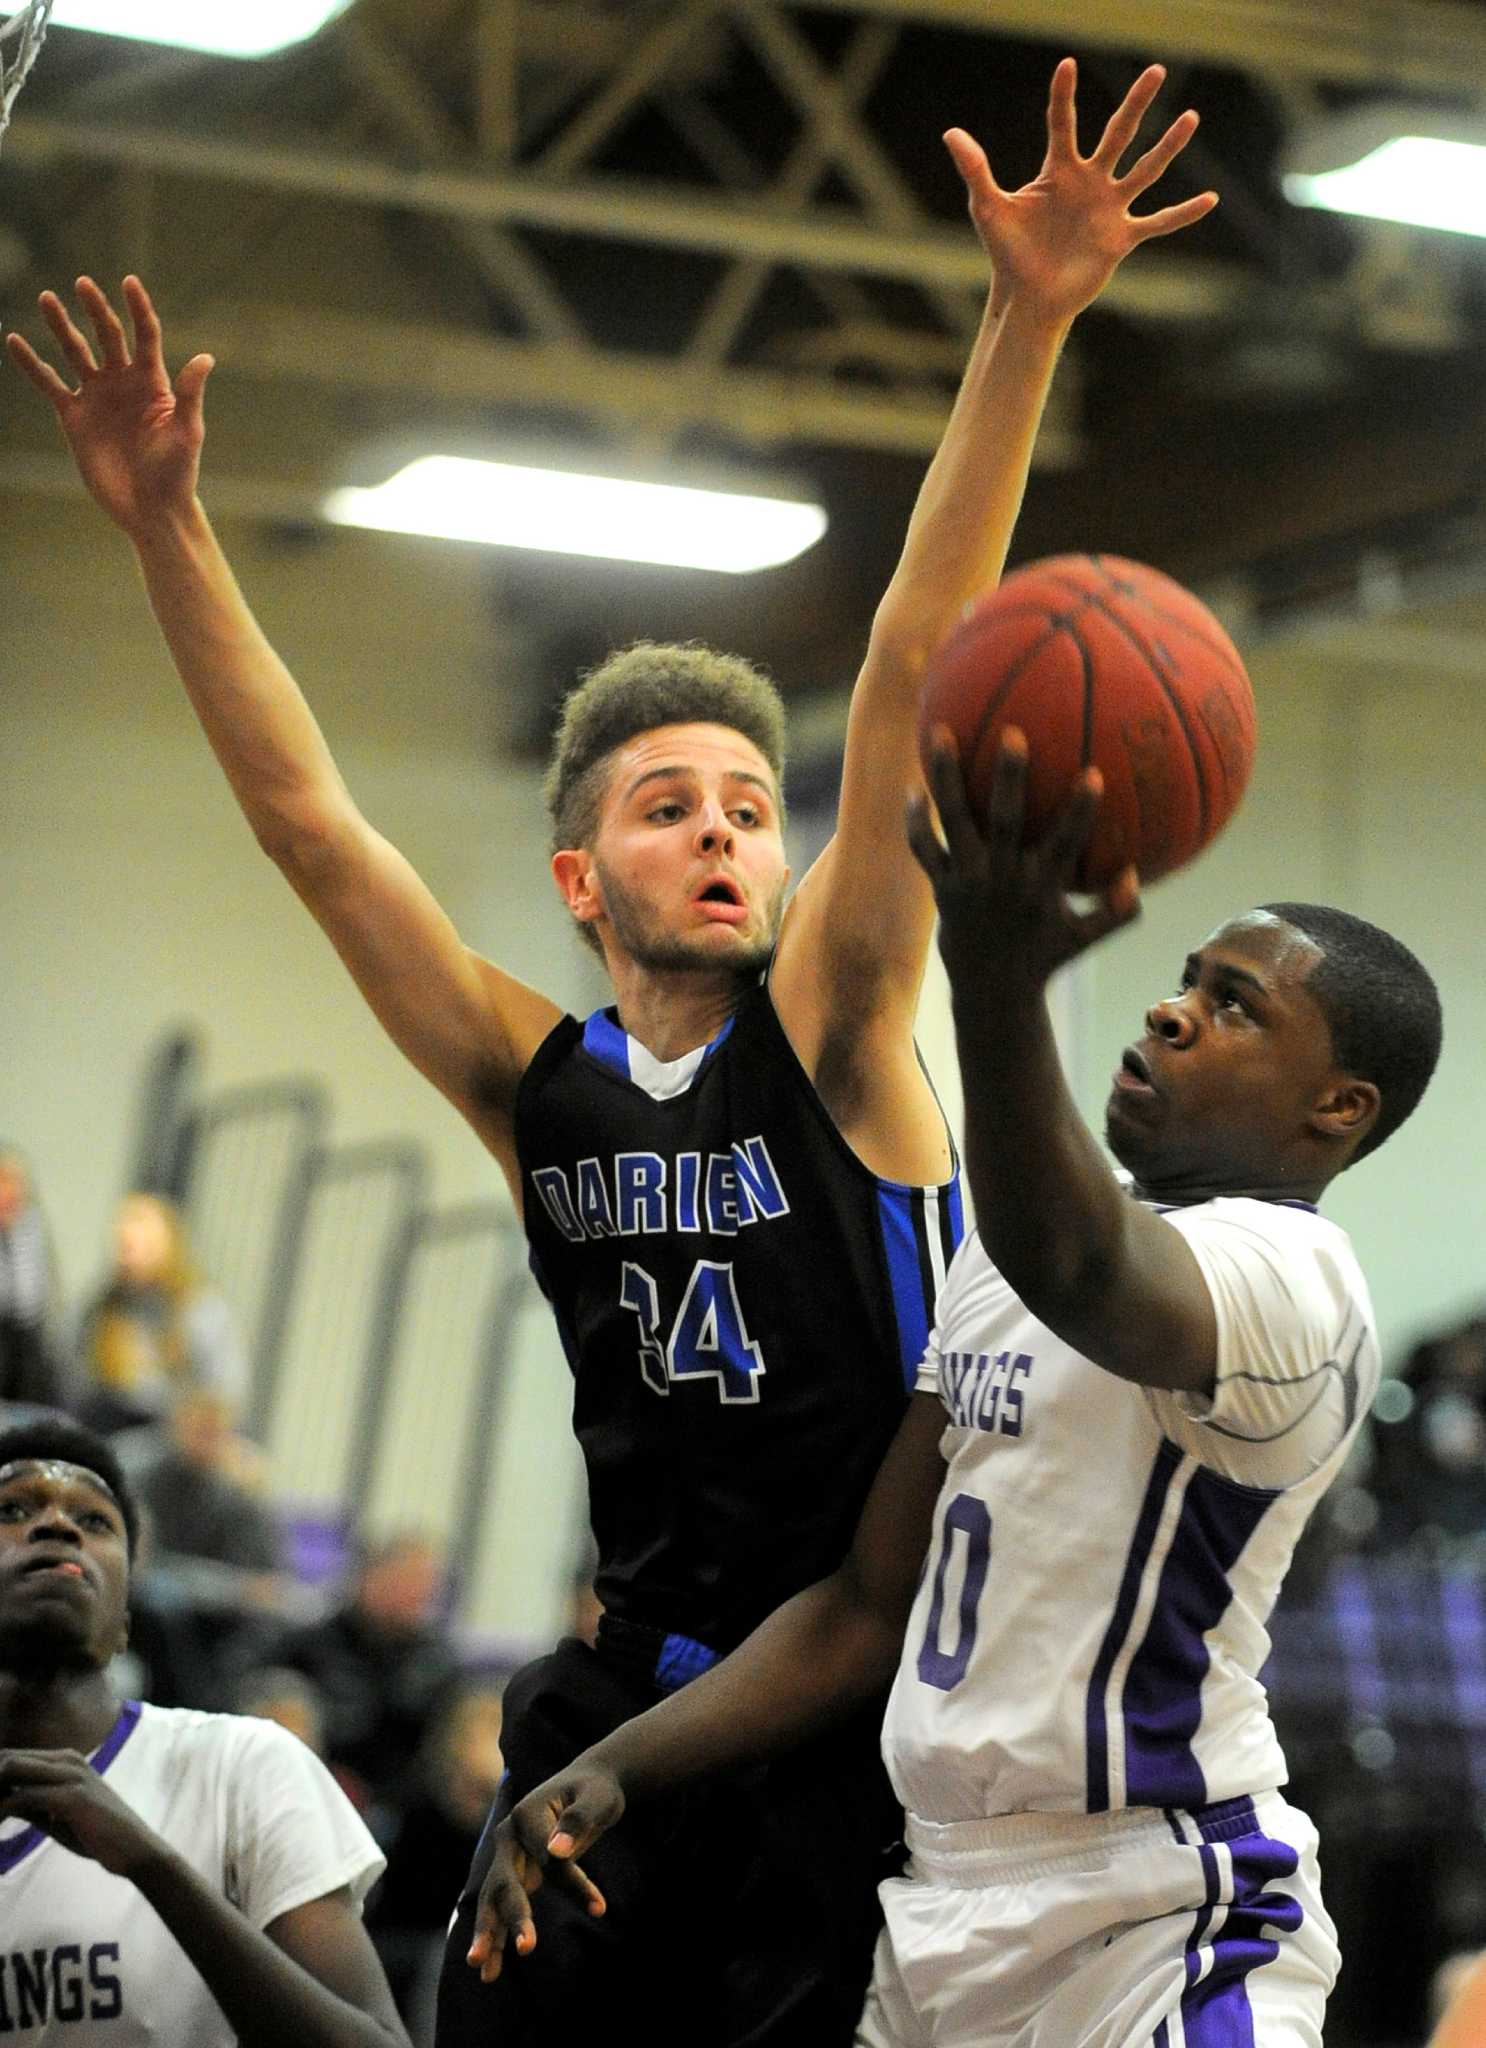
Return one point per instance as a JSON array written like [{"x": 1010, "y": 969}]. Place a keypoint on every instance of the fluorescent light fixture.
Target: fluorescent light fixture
[
  {"x": 449, "y": 497},
  {"x": 224, "y": 28},
  {"x": 1374, "y": 163}
]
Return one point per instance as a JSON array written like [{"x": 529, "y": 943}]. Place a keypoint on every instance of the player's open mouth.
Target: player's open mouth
[
  {"x": 722, "y": 901},
  {"x": 1133, "y": 1073}
]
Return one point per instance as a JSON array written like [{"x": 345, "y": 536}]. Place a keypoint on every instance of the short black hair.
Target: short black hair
[
  {"x": 57, "y": 1438},
  {"x": 1380, "y": 1003}
]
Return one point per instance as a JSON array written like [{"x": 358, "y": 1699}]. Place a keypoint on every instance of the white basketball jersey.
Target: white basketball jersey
[
  {"x": 1090, "y": 1625},
  {"x": 85, "y": 1958}
]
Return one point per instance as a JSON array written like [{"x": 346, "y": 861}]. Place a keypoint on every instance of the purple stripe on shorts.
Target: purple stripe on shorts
[
  {"x": 1162, "y": 1699},
  {"x": 1216, "y": 2012}
]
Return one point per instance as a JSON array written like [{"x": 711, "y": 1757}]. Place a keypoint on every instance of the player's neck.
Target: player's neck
[
  {"x": 673, "y": 1011},
  {"x": 1185, "y": 1193},
  {"x": 56, "y": 1710}
]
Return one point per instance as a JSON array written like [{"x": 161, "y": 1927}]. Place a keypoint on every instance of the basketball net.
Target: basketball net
[{"x": 21, "y": 38}]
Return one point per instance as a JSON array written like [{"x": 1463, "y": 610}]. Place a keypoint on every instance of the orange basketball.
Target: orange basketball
[{"x": 1107, "y": 664}]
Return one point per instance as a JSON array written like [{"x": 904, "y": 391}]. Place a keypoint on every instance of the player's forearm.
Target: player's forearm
[
  {"x": 808, "y": 1666},
  {"x": 1050, "y": 1213},
  {"x": 967, "y": 506},
  {"x": 250, "y": 707},
  {"x": 266, "y": 1997}
]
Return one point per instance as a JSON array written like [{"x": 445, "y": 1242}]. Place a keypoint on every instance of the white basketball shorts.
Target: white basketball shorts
[{"x": 1149, "y": 1928}]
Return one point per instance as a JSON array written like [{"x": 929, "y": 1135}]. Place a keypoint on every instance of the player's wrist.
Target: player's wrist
[{"x": 167, "y": 526}]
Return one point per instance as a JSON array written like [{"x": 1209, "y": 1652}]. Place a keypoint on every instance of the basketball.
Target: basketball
[{"x": 1107, "y": 664}]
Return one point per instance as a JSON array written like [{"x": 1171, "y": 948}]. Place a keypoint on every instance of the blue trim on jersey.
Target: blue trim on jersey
[
  {"x": 1162, "y": 1700},
  {"x": 904, "y": 1217},
  {"x": 606, "y": 1040},
  {"x": 19, "y": 1847},
  {"x": 681, "y": 1660}
]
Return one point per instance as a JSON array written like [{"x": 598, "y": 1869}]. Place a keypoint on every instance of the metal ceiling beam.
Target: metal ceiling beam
[
  {"x": 1424, "y": 45},
  {"x": 280, "y": 344},
  {"x": 1152, "y": 287}
]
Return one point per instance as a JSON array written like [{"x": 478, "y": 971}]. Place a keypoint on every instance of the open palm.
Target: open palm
[
  {"x": 1058, "y": 239},
  {"x": 135, "y": 436}
]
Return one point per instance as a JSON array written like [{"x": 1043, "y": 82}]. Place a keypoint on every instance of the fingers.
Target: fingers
[
  {"x": 927, "y": 846},
  {"x": 1172, "y": 218},
  {"x": 1148, "y": 168},
  {"x": 1007, "y": 805},
  {"x": 107, "y": 325},
  {"x": 149, "y": 347},
  {"x": 502, "y": 1911},
  {"x": 1119, "y": 905},
  {"x": 1123, "y": 123},
  {"x": 41, "y": 374},
  {"x": 1062, "y": 110},
  {"x": 1072, "y": 829},
  {"x": 73, "y": 342},
  {"x": 190, "y": 389},
  {"x": 964, "y": 841},
  {"x": 971, "y": 162}
]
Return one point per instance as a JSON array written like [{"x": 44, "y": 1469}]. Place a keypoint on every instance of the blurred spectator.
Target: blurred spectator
[
  {"x": 1431, "y": 1442},
  {"x": 153, "y": 1327},
  {"x": 211, "y": 1593},
  {"x": 202, "y": 1484},
  {"x": 275, "y": 1693},
  {"x": 28, "y": 1291},
  {"x": 383, "y": 1662},
  {"x": 431, "y": 1843}
]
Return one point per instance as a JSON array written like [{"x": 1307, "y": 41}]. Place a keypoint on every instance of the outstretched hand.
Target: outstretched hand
[
  {"x": 542, "y": 1836},
  {"x": 135, "y": 436},
  {"x": 1058, "y": 240},
  {"x": 1006, "y": 918}
]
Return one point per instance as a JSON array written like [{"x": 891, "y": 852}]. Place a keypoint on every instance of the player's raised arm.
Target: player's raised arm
[
  {"x": 1053, "y": 245},
  {"x": 815, "y": 1659},
  {"x": 136, "y": 437}
]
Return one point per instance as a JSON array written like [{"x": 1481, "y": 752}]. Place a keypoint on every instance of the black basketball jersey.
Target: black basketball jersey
[{"x": 742, "y": 1302}]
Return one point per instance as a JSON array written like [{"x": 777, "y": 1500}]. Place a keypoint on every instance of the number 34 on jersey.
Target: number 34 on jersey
[{"x": 707, "y": 1339}]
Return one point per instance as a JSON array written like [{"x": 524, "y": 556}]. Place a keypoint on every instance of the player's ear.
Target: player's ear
[
  {"x": 1347, "y": 1110},
  {"x": 576, "y": 879}
]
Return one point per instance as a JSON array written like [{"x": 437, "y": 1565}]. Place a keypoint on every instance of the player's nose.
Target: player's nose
[
  {"x": 714, "y": 829},
  {"x": 1171, "y": 1019}
]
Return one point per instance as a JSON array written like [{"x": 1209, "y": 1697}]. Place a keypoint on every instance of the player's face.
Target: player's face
[
  {"x": 687, "y": 870},
  {"x": 64, "y": 1569},
  {"x": 1220, "y": 1093}
]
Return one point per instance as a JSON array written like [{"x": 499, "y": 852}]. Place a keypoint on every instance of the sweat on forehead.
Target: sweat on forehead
[{"x": 55, "y": 1468}]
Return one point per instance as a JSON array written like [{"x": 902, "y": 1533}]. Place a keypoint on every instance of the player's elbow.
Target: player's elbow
[{"x": 308, "y": 839}]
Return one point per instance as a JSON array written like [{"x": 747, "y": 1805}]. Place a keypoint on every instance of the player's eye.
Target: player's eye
[
  {"x": 666, "y": 813},
  {"x": 95, "y": 1518},
  {"x": 747, "y": 814},
  {"x": 12, "y": 1511}
]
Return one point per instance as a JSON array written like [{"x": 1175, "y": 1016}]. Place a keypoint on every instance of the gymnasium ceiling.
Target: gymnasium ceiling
[{"x": 724, "y": 233}]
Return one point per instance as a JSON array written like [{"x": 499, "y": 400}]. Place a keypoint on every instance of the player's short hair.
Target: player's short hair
[
  {"x": 637, "y": 689},
  {"x": 1381, "y": 1005},
  {"x": 58, "y": 1439}
]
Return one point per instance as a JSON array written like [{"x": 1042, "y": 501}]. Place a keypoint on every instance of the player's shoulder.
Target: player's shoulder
[
  {"x": 193, "y": 1733},
  {"x": 1288, "y": 1226}
]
